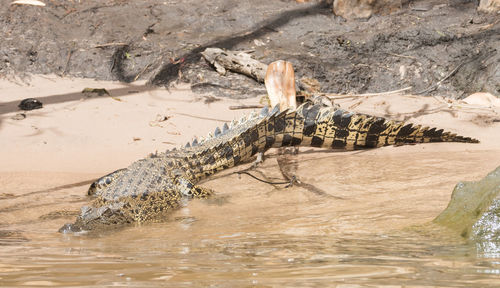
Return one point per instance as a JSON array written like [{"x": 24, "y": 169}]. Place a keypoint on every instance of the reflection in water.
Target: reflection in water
[
  {"x": 373, "y": 233},
  {"x": 243, "y": 259}
]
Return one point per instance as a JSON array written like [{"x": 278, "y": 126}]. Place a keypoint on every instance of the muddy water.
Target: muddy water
[{"x": 360, "y": 221}]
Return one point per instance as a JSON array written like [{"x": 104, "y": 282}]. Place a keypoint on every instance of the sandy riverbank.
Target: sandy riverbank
[
  {"x": 59, "y": 149},
  {"x": 77, "y": 132},
  {"x": 352, "y": 223}
]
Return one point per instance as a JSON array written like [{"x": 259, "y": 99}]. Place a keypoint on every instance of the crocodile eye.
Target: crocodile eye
[{"x": 108, "y": 181}]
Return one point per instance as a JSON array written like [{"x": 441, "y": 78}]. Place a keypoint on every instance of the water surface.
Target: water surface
[{"x": 362, "y": 221}]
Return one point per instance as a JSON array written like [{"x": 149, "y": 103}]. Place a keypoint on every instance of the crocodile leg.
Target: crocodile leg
[
  {"x": 288, "y": 163},
  {"x": 188, "y": 189},
  {"x": 202, "y": 192}
]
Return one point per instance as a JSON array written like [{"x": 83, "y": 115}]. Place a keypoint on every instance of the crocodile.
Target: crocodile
[{"x": 150, "y": 188}]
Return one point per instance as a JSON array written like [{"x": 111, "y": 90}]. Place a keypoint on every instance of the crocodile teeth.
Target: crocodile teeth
[
  {"x": 225, "y": 128},
  {"x": 187, "y": 145},
  {"x": 264, "y": 112},
  {"x": 217, "y": 132},
  {"x": 201, "y": 140},
  {"x": 195, "y": 142}
]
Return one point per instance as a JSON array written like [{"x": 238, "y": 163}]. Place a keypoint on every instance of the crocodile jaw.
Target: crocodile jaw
[{"x": 91, "y": 218}]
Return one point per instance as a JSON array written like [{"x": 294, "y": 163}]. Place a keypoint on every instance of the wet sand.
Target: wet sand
[{"x": 251, "y": 232}]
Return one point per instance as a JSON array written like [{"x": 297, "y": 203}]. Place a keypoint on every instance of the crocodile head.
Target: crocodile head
[
  {"x": 144, "y": 191},
  {"x": 98, "y": 217},
  {"x": 106, "y": 213}
]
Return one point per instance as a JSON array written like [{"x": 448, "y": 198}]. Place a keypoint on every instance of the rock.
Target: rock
[
  {"x": 482, "y": 99},
  {"x": 489, "y": 6},
  {"x": 353, "y": 9},
  {"x": 474, "y": 211},
  {"x": 30, "y": 104}
]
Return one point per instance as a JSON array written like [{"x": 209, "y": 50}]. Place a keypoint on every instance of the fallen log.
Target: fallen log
[
  {"x": 243, "y": 63},
  {"x": 235, "y": 61}
]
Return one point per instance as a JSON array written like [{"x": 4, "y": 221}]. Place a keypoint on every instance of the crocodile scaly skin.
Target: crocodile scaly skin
[{"x": 151, "y": 187}]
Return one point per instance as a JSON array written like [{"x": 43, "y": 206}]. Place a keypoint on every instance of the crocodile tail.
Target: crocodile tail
[
  {"x": 399, "y": 133},
  {"x": 327, "y": 127}
]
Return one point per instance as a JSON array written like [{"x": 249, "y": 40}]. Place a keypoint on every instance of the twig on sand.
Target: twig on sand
[
  {"x": 238, "y": 107},
  {"x": 142, "y": 72},
  {"x": 402, "y": 56},
  {"x": 67, "y": 61},
  {"x": 112, "y": 44},
  {"x": 488, "y": 26},
  {"x": 343, "y": 96},
  {"x": 436, "y": 85}
]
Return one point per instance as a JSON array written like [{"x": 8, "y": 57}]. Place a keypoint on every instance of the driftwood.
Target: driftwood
[
  {"x": 280, "y": 85},
  {"x": 235, "y": 61},
  {"x": 243, "y": 63}
]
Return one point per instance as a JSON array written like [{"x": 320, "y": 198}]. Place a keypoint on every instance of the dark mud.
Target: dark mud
[{"x": 436, "y": 47}]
